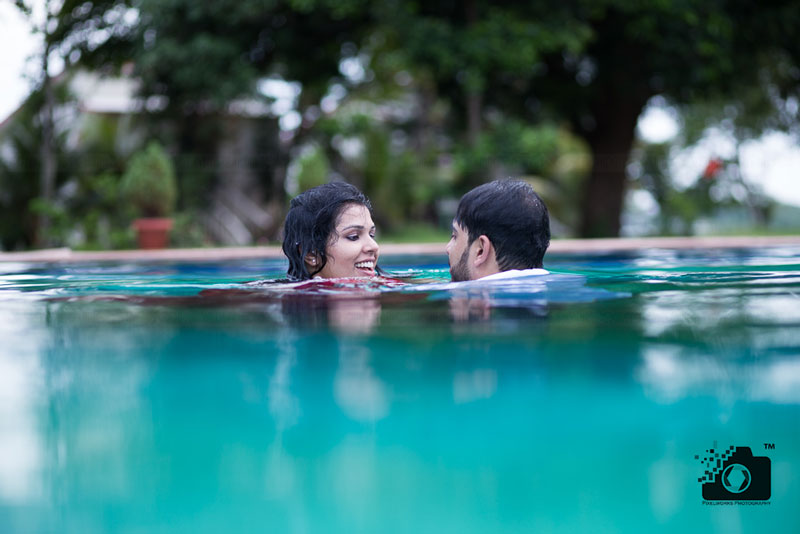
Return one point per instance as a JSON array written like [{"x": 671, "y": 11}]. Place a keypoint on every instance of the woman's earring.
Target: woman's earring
[{"x": 313, "y": 261}]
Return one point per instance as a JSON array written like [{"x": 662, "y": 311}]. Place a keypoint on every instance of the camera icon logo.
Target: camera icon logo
[
  {"x": 734, "y": 474},
  {"x": 736, "y": 478}
]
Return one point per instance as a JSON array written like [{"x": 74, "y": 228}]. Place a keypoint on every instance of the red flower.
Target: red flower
[{"x": 712, "y": 169}]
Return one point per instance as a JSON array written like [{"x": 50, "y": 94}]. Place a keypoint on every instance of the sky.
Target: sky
[
  {"x": 16, "y": 45},
  {"x": 772, "y": 162}
]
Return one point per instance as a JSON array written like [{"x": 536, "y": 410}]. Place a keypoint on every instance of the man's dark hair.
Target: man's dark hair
[
  {"x": 312, "y": 220},
  {"x": 513, "y": 217}
]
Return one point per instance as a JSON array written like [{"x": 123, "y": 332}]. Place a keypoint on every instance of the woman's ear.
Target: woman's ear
[{"x": 311, "y": 259}]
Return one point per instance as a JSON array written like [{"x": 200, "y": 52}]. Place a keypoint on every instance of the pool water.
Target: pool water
[{"x": 172, "y": 398}]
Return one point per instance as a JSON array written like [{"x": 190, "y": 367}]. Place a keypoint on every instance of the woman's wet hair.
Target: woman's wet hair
[
  {"x": 513, "y": 217},
  {"x": 311, "y": 222}
]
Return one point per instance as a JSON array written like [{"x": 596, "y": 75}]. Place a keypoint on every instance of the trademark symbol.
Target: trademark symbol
[{"x": 769, "y": 446}]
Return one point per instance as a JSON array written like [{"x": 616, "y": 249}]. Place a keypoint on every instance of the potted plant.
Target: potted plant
[{"x": 149, "y": 185}]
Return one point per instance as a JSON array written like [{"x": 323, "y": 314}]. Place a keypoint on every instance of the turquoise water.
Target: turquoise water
[{"x": 171, "y": 398}]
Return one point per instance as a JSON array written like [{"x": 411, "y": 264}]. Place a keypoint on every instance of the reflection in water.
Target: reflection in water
[
  {"x": 21, "y": 379},
  {"x": 96, "y": 419},
  {"x": 349, "y": 314},
  {"x": 735, "y": 345},
  {"x": 473, "y": 385},
  {"x": 475, "y": 307},
  {"x": 354, "y": 316},
  {"x": 354, "y": 472},
  {"x": 283, "y": 405},
  {"x": 528, "y": 297},
  {"x": 465, "y": 308},
  {"x": 674, "y": 373},
  {"x": 666, "y": 477},
  {"x": 360, "y": 394}
]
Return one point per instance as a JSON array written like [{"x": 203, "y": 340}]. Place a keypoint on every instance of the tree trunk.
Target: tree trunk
[
  {"x": 47, "y": 177},
  {"x": 473, "y": 97},
  {"x": 473, "y": 117},
  {"x": 610, "y": 142}
]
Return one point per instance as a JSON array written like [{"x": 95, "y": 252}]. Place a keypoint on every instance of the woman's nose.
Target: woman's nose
[{"x": 370, "y": 244}]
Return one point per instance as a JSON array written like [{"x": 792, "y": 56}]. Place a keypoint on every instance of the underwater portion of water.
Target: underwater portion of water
[{"x": 172, "y": 398}]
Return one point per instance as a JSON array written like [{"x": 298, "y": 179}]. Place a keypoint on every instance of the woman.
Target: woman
[{"x": 329, "y": 233}]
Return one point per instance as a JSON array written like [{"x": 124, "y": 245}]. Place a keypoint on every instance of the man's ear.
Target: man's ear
[{"x": 484, "y": 250}]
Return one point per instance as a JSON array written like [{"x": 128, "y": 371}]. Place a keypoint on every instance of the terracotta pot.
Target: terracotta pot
[{"x": 152, "y": 232}]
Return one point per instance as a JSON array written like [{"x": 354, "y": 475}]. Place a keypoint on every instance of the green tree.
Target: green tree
[
  {"x": 750, "y": 110},
  {"x": 492, "y": 83},
  {"x": 70, "y": 30},
  {"x": 463, "y": 51},
  {"x": 20, "y": 172},
  {"x": 198, "y": 57},
  {"x": 686, "y": 51}
]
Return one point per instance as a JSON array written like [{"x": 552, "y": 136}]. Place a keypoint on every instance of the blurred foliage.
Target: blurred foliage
[
  {"x": 20, "y": 168},
  {"x": 718, "y": 192},
  {"x": 198, "y": 57},
  {"x": 684, "y": 51},
  {"x": 239, "y": 42},
  {"x": 187, "y": 230},
  {"x": 375, "y": 155},
  {"x": 84, "y": 32},
  {"x": 414, "y": 102},
  {"x": 312, "y": 169},
  {"x": 416, "y": 233},
  {"x": 88, "y": 215},
  {"x": 149, "y": 182},
  {"x": 678, "y": 209},
  {"x": 749, "y": 111}
]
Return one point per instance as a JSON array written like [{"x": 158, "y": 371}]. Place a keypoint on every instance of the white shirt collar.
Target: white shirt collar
[{"x": 515, "y": 273}]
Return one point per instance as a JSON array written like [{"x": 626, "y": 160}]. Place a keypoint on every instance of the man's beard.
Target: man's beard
[{"x": 459, "y": 272}]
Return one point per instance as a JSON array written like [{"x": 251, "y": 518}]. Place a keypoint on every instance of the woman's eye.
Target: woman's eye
[{"x": 353, "y": 237}]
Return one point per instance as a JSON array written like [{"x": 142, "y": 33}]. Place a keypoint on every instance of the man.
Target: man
[{"x": 501, "y": 230}]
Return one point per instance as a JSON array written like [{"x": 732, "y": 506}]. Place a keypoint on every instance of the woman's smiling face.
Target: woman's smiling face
[{"x": 352, "y": 250}]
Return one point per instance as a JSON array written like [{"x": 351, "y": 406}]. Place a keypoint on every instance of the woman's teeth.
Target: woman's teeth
[{"x": 366, "y": 265}]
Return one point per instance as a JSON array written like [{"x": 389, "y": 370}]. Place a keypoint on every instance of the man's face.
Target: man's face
[{"x": 458, "y": 254}]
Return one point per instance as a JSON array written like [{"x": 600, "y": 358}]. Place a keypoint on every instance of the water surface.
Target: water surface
[{"x": 164, "y": 398}]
